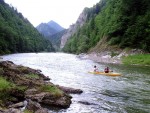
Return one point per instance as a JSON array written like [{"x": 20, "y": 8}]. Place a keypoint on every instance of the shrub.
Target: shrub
[
  {"x": 141, "y": 59},
  {"x": 53, "y": 89},
  {"x": 33, "y": 76},
  {"x": 4, "y": 84}
]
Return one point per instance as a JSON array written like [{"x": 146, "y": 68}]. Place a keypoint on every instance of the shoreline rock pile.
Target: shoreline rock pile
[{"x": 31, "y": 86}]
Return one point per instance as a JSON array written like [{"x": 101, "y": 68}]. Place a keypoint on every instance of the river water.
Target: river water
[{"x": 129, "y": 93}]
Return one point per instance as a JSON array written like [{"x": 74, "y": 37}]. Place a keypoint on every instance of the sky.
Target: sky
[{"x": 63, "y": 12}]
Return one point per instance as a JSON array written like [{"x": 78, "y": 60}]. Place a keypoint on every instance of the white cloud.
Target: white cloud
[{"x": 64, "y": 12}]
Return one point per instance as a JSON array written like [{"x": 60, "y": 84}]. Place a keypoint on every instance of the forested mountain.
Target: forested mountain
[
  {"x": 52, "y": 31},
  {"x": 55, "y": 26},
  {"x": 17, "y": 34},
  {"x": 49, "y": 29},
  {"x": 45, "y": 29},
  {"x": 121, "y": 23},
  {"x": 56, "y": 39}
]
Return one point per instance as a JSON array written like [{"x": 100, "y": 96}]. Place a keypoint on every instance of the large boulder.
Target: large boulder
[
  {"x": 48, "y": 98},
  {"x": 69, "y": 90},
  {"x": 36, "y": 107},
  {"x": 34, "y": 89}
]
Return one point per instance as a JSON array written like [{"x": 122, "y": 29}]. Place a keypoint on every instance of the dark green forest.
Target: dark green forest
[
  {"x": 124, "y": 23},
  {"x": 17, "y": 34}
]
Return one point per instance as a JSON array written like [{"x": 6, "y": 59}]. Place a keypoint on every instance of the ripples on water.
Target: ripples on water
[{"x": 128, "y": 93}]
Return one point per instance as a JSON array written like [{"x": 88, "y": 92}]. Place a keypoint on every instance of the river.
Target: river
[{"x": 129, "y": 93}]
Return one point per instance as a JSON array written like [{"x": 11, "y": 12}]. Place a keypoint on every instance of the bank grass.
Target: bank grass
[
  {"x": 33, "y": 76},
  {"x": 5, "y": 87},
  {"x": 1, "y": 70},
  {"x": 22, "y": 88},
  {"x": 28, "y": 111},
  {"x": 22, "y": 68},
  {"x": 114, "y": 54},
  {"x": 4, "y": 84},
  {"x": 52, "y": 89},
  {"x": 140, "y": 59}
]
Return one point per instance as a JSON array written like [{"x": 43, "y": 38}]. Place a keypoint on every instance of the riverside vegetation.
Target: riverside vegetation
[
  {"x": 121, "y": 23},
  {"x": 124, "y": 23},
  {"x": 17, "y": 34},
  {"x": 142, "y": 59},
  {"x": 113, "y": 25}
]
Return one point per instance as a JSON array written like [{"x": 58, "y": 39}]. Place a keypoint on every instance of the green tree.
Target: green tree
[{"x": 17, "y": 34}]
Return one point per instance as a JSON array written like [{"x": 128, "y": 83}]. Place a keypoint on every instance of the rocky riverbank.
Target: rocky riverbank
[
  {"x": 23, "y": 88},
  {"x": 111, "y": 57},
  {"x": 105, "y": 57}
]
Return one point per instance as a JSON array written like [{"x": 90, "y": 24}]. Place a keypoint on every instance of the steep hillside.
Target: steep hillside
[
  {"x": 73, "y": 28},
  {"x": 45, "y": 29},
  {"x": 53, "y": 32},
  {"x": 113, "y": 24},
  {"x": 17, "y": 34},
  {"x": 55, "y": 26},
  {"x": 56, "y": 39},
  {"x": 49, "y": 29}
]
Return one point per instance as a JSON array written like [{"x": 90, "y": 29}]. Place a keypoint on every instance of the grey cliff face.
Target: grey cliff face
[{"x": 73, "y": 28}]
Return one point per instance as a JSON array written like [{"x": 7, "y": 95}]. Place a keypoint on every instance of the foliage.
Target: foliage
[
  {"x": 21, "y": 88},
  {"x": 53, "y": 89},
  {"x": 142, "y": 59},
  {"x": 17, "y": 34},
  {"x": 56, "y": 39},
  {"x": 33, "y": 76},
  {"x": 126, "y": 23},
  {"x": 113, "y": 54},
  {"x": 28, "y": 111},
  {"x": 4, "y": 84},
  {"x": 1, "y": 70},
  {"x": 4, "y": 87}
]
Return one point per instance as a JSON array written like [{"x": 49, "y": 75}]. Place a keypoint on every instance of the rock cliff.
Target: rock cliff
[
  {"x": 73, "y": 28},
  {"x": 19, "y": 85}
]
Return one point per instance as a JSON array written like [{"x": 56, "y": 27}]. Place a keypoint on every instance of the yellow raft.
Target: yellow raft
[{"x": 103, "y": 73}]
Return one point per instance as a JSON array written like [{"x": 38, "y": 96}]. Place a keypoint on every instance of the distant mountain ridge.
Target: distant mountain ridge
[
  {"x": 56, "y": 39},
  {"x": 55, "y": 26},
  {"x": 17, "y": 34},
  {"x": 50, "y": 28}
]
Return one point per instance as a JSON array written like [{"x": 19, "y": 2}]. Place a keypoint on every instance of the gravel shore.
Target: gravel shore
[
  {"x": 104, "y": 58},
  {"x": 110, "y": 57}
]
